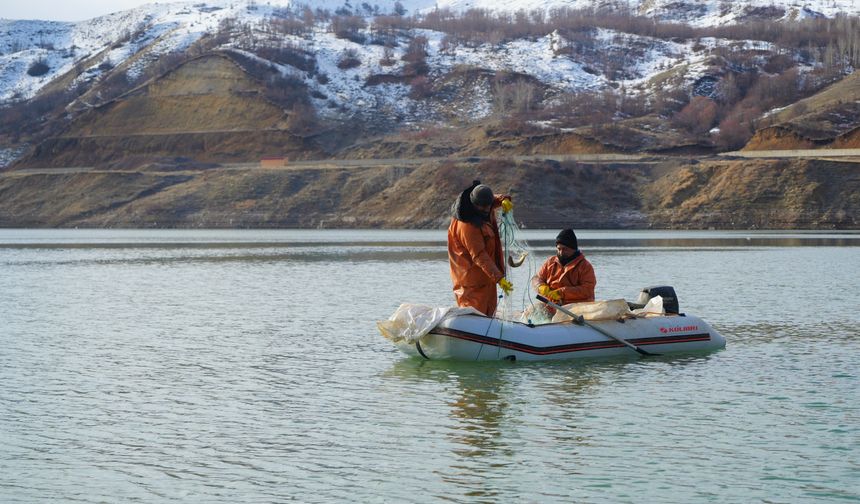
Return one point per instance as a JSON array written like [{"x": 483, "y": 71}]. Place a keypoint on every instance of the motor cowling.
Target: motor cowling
[{"x": 670, "y": 300}]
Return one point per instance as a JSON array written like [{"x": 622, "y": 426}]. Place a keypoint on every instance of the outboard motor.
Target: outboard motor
[{"x": 670, "y": 300}]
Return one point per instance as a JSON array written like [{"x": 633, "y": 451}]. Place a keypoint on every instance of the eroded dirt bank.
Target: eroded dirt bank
[{"x": 723, "y": 194}]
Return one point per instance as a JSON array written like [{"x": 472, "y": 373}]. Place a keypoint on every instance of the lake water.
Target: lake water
[{"x": 245, "y": 366}]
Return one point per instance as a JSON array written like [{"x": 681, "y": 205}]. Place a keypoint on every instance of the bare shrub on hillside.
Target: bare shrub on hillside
[
  {"x": 289, "y": 54},
  {"x": 733, "y": 133},
  {"x": 415, "y": 57},
  {"x": 774, "y": 91},
  {"x": 518, "y": 97},
  {"x": 778, "y": 63},
  {"x": 322, "y": 15},
  {"x": 287, "y": 26},
  {"x": 634, "y": 105},
  {"x": 382, "y": 39},
  {"x": 387, "y": 57},
  {"x": 348, "y": 59},
  {"x": 668, "y": 101},
  {"x": 349, "y": 27},
  {"x": 390, "y": 26},
  {"x": 698, "y": 116},
  {"x": 421, "y": 87},
  {"x": 728, "y": 90},
  {"x": 446, "y": 45},
  {"x": 38, "y": 68},
  {"x": 308, "y": 17}
]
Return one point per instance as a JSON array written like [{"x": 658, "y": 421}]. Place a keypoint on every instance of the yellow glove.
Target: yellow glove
[
  {"x": 552, "y": 295},
  {"x": 507, "y": 205},
  {"x": 507, "y": 287}
]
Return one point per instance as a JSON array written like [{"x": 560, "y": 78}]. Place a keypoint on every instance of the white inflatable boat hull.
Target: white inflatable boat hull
[{"x": 478, "y": 338}]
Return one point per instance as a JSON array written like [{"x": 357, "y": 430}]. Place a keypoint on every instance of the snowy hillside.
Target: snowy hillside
[
  {"x": 108, "y": 41},
  {"x": 368, "y": 75}
]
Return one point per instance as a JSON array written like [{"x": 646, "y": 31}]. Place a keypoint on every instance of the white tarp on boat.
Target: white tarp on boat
[
  {"x": 612, "y": 309},
  {"x": 411, "y": 321}
]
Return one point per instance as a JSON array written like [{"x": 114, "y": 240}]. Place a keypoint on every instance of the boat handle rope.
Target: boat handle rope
[{"x": 418, "y": 347}]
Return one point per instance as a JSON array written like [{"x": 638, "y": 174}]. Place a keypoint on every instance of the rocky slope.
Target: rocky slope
[
  {"x": 763, "y": 194},
  {"x": 828, "y": 119},
  {"x": 157, "y": 101},
  {"x": 208, "y": 109},
  {"x": 720, "y": 194}
]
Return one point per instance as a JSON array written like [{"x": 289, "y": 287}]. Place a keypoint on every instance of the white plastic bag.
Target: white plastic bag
[
  {"x": 653, "y": 308},
  {"x": 411, "y": 321}
]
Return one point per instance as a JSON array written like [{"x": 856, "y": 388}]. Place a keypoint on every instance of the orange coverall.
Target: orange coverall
[
  {"x": 477, "y": 263},
  {"x": 575, "y": 280}
]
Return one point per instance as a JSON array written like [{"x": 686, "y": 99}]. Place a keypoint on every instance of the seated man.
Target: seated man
[{"x": 567, "y": 277}]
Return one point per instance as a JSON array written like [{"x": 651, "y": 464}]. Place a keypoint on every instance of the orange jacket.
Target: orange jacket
[
  {"x": 477, "y": 264},
  {"x": 575, "y": 280}
]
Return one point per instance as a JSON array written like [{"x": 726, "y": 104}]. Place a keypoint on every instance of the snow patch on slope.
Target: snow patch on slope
[{"x": 164, "y": 28}]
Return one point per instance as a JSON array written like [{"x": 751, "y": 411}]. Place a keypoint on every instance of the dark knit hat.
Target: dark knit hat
[
  {"x": 567, "y": 238},
  {"x": 481, "y": 195}
]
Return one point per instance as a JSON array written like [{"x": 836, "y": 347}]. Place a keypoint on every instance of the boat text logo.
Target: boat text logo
[{"x": 667, "y": 330}]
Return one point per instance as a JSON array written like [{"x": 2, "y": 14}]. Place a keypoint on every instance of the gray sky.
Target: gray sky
[{"x": 68, "y": 10}]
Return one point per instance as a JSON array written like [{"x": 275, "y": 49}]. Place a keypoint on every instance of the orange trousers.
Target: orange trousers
[{"x": 482, "y": 298}]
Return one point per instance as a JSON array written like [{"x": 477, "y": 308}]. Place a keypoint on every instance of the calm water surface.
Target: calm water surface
[{"x": 245, "y": 366}]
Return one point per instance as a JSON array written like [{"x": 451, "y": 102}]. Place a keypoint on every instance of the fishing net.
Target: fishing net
[{"x": 521, "y": 265}]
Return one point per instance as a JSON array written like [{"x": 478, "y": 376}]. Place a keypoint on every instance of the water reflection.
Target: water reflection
[
  {"x": 479, "y": 398},
  {"x": 496, "y": 407}
]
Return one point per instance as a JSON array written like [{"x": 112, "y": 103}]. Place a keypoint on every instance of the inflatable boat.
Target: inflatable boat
[
  {"x": 476, "y": 337},
  {"x": 471, "y": 336}
]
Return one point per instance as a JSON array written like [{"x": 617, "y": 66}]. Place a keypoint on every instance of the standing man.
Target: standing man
[
  {"x": 475, "y": 250},
  {"x": 567, "y": 277}
]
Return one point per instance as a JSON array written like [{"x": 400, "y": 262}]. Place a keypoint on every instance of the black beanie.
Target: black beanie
[{"x": 567, "y": 238}]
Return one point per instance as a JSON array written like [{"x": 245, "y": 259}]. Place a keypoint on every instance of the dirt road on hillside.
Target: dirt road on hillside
[
  {"x": 337, "y": 164},
  {"x": 795, "y": 154},
  {"x": 323, "y": 164}
]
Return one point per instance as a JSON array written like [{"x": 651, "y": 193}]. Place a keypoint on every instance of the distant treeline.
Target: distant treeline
[{"x": 830, "y": 41}]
